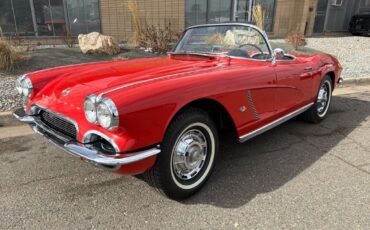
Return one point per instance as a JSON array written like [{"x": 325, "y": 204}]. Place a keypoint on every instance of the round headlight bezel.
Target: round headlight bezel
[
  {"x": 90, "y": 109},
  {"x": 106, "y": 109},
  {"x": 18, "y": 85},
  {"x": 24, "y": 86}
]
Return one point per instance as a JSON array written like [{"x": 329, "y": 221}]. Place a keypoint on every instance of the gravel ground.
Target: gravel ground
[
  {"x": 353, "y": 52},
  {"x": 8, "y": 96}
]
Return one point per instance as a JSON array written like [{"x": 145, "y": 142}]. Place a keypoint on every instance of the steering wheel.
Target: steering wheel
[{"x": 254, "y": 46}]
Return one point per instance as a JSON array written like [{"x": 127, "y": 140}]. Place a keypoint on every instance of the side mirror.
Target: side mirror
[{"x": 279, "y": 54}]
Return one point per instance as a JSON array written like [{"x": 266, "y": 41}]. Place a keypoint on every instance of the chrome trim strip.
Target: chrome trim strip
[
  {"x": 102, "y": 94},
  {"x": 251, "y": 105},
  {"x": 87, "y": 136},
  {"x": 25, "y": 119},
  {"x": 99, "y": 159},
  {"x": 273, "y": 124}
]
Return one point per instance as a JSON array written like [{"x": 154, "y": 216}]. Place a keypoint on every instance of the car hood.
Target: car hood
[{"x": 70, "y": 85}]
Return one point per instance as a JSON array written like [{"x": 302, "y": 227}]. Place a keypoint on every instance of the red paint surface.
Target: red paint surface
[{"x": 157, "y": 88}]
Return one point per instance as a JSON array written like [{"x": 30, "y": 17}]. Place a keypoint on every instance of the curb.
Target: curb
[
  {"x": 5, "y": 113},
  {"x": 356, "y": 81}
]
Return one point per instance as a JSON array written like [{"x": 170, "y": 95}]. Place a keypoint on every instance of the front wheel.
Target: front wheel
[
  {"x": 188, "y": 154},
  {"x": 320, "y": 109}
]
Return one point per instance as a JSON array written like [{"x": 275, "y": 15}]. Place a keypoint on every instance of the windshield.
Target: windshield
[{"x": 231, "y": 40}]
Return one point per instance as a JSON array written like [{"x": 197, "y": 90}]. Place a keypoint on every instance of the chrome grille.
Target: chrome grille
[{"x": 58, "y": 124}]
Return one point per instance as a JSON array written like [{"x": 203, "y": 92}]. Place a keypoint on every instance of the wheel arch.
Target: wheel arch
[
  {"x": 215, "y": 110},
  {"x": 331, "y": 74}
]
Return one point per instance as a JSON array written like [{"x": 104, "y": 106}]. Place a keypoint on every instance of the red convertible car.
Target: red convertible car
[{"x": 162, "y": 116}]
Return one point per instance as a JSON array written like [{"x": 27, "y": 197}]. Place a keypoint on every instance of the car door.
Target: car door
[
  {"x": 294, "y": 82},
  {"x": 257, "y": 79}
]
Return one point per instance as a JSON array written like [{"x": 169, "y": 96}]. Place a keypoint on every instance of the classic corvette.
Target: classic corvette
[{"x": 161, "y": 117}]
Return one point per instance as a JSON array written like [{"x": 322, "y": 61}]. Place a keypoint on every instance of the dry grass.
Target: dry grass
[
  {"x": 132, "y": 6},
  {"x": 216, "y": 39},
  {"x": 259, "y": 16},
  {"x": 296, "y": 39},
  {"x": 9, "y": 57}
]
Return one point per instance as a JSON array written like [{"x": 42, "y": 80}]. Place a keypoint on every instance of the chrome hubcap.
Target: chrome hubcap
[
  {"x": 189, "y": 154},
  {"x": 323, "y": 98}
]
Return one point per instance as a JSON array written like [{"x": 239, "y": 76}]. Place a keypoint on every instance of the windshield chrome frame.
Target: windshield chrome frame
[{"x": 262, "y": 32}]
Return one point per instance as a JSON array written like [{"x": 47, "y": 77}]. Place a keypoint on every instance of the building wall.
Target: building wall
[
  {"x": 290, "y": 16},
  {"x": 312, "y": 5},
  {"x": 116, "y": 18},
  {"x": 340, "y": 16}
]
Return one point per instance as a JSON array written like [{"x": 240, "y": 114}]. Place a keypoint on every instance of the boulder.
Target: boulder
[
  {"x": 96, "y": 43},
  {"x": 240, "y": 37}
]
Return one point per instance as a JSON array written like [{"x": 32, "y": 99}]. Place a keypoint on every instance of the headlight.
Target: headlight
[
  {"x": 24, "y": 86},
  {"x": 107, "y": 114},
  {"x": 18, "y": 85},
  {"x": 27, "y": 87},
  {"x": 90, "y": 109}
]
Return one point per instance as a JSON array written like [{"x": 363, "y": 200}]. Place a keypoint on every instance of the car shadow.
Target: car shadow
[{"x": 271, "y": 160}]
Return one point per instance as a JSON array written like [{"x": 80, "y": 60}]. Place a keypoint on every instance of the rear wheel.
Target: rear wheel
[
  {"x": 319, "y": 110},
  {"x": 187, "y": 156}
]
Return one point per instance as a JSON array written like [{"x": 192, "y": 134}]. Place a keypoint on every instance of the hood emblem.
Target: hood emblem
[{"x": 66, "y": 92}]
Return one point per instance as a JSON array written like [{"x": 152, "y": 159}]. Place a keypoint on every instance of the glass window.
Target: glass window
[
  {"x": 219, "y": 11},
  {"x": 231, "y": 40},
  {"x": 50, "y": 17},
  {"x": 242, "y": 10},
  {"x": 6, "y": 17},
  {"x": 84, "y": 16},
  {"x": 23, "y": 17},
  {"x": 269, "y": 7},
  {"x": 195, "y": 12}
]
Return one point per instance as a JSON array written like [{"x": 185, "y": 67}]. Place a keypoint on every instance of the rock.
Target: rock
[
  {"x": 96, "y": 43},
  {"x": 240, "y": 37}
]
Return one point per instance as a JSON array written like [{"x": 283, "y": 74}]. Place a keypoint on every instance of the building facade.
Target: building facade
[{"x": 58, "y": 18}]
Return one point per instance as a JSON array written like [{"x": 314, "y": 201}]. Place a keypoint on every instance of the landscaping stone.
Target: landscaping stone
[{"x": 96, "y": 43}]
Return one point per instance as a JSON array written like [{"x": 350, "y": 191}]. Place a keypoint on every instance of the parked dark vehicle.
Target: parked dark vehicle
[{"x": 360, "y": 24}]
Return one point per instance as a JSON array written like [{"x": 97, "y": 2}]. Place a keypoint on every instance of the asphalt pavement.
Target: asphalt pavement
[{"x": 297, "y": 175}]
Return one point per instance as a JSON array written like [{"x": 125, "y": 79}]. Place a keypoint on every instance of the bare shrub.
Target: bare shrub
[
  {"x": 296, "y": 39},
  {"x": 9, "y": 57},
  {"x": 69, "y": 40},
  {"x": 259, "y": 14},
  {"x": 158, "y": 39}
]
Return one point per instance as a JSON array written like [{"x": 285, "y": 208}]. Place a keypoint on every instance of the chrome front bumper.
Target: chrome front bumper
[{"x": 81, "y": 150}]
